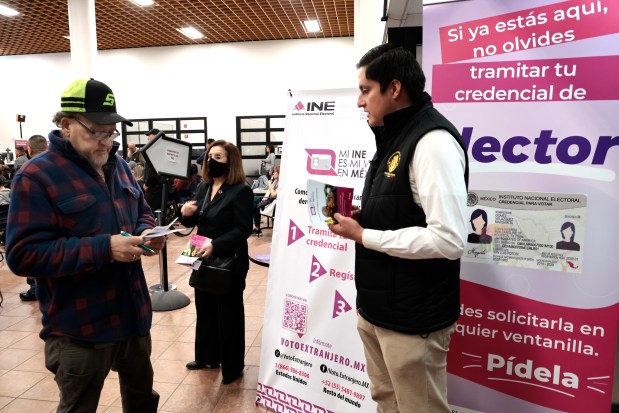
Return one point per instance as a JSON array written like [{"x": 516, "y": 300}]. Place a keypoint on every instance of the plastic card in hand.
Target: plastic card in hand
[
  {"x": 324, "y": 200},
  {"x": 190, "y": 252}
]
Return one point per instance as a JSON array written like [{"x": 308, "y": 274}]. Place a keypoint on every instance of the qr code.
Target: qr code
[{"x": 295, "y": 316}]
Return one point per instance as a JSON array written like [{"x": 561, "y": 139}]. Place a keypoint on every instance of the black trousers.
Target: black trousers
[
  {"x": 220, "y": 331},
  {"x": 153, "y": 198}
]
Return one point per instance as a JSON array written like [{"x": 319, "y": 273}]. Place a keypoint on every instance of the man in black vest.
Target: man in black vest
[{"x": 410, "y": 233}]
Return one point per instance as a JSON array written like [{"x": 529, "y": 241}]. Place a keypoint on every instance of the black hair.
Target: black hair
[
  {"x": 571, "y": 226},
  {"x": 479, "y": 213},
  {"x": 389, "y": 62},
  {"x": 37, "y": 144}
]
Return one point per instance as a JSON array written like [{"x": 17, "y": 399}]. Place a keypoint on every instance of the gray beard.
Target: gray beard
[{"x": 95, "y": 163}]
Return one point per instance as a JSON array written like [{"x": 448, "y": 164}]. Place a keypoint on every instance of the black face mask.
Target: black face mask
[{"x": 216, "y": 169}]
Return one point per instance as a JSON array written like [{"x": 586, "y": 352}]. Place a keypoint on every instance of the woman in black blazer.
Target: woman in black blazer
[{"x": 227, "y": 221}]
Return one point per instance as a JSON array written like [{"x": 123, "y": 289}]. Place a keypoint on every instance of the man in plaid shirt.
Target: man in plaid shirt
[{"x": 68, "y": 207}]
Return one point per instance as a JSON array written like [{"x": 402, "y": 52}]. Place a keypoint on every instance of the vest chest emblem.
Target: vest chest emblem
[{"x": 392, "y": 164}]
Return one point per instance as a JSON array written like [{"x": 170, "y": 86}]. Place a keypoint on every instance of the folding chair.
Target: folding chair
[{"x": 269, "y": 212}]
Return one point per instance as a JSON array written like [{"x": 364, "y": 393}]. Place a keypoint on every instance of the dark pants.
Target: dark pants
[
  {"x": 220, "y": 331},
  {"x": 31, "y": 282},
  {"x": 81, "y": 368},
  {"x": 257, "y": 208},
  {"x": 153, "y": 199},
  {"x": 257, "y": 199}
]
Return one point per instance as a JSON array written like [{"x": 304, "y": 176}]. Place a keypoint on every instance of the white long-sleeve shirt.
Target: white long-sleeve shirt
[{"x": 437, "y": 180}]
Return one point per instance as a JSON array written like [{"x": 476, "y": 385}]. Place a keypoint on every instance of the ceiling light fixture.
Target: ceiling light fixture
[
  {"x": 311, "y": 26},
  {"x": 143, "y": 2},
  {"x": 191, "y": 33},
  {"x": 7, "y": 11}
]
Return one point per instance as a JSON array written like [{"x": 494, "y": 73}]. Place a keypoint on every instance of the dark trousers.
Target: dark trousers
[
  {"x": 153, "y": 199},
  {"x": 81, "y": 368},
  {"x": 220, "y": 331},
  {"x": 32, "y": 283},
  {"x": 257, "y": 199}
]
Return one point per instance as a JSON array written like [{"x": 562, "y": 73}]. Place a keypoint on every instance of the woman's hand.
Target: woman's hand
[
  {"x": 189, "y": 208},
  {"x": 206, "y": 250}
]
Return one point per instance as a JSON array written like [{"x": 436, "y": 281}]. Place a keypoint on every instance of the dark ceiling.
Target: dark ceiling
[{"x": 41, "y": 24}]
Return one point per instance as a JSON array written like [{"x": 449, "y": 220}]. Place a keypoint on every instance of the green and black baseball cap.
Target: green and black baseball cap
[{"x": 92, "y": 99}]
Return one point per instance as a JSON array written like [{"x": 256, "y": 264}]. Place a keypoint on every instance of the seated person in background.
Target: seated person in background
[
  {"x": 261, "y": 202},
  {"x": 138, "y": 174},
  {"x": 184, "y": 189},
  {"x": 4, "y": 191},
  {"x": 197, "y": 179},
  {"x": 261, "y": 183},
  {"x": 5, "y": 171}
]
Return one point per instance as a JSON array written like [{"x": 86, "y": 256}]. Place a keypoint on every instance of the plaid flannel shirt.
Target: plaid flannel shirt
[{"x": 61, "y": 217}]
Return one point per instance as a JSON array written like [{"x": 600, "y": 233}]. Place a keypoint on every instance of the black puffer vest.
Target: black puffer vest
[{"x": 405, "y": 295}]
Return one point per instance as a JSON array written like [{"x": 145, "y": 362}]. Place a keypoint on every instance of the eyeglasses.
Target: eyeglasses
[{"x": 98, "y": 135}]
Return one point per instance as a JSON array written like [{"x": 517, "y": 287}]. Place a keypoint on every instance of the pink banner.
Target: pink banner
[
  {"x": 528, "y": 29},
  {"x": 545, "y": 80},
  {"x": 534, "y": 336},
  {"x": 554, "y": 356}
]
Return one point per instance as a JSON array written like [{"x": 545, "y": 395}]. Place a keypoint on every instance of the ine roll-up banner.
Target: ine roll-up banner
[
  {"x": 312, "y": 358},
  {"x": 533, "y": 86}
]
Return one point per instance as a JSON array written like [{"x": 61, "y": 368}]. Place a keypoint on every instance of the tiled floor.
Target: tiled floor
[{"x": 26, "y": 386}]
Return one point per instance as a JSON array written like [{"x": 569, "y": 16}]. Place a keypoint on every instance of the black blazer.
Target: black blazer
[{"x": 227, "y": 219}]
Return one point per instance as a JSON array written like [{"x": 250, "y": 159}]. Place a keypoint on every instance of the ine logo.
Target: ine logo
[{"x": 315, "y": 106}]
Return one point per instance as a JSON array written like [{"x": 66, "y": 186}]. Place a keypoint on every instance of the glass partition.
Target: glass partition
[{"x": 253, "y": 134}]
